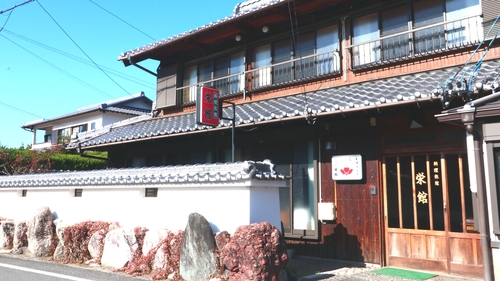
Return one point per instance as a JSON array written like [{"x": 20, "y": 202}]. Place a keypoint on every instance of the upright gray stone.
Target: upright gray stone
[
  {"x": 6, "y": 235},
  {"x": 197, "y": 259},
  {"x": 41, "y": 232}
]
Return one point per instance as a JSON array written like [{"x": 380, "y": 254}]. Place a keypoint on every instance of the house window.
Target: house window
[
  {"x": 314, "y": 54},
  {"x": 92, "y": 126},
  {"x": 261, "y": 74},
  {"x": 395, "y": 21},
  {"x": 426, "y": 13},
  {"x": 327, "y": 41},
  {"x": 424, "y": 27},
  {"x": 23, "y": 193},
  {"x": 366, "y": 29},
  {"x": 282, "y": 54},
  {"x": 298, "y": 199},
  {"x": 151, "y": 192},
  {"x": 223, "y": 73}
]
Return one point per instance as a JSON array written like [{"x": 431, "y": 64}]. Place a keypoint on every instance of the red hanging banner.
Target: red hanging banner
[{"x": 208, "y": 110}]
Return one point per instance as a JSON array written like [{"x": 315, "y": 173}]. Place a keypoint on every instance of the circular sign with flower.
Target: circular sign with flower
[{"x": 347, "y": 167}]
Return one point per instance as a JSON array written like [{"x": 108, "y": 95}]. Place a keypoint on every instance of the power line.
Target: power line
[
  {"x": 81, "y": 60},
  {"x": 56, "y": 67},
  {"x": 62, "y": 29},
  {"x": 10, "y": 9},
  {"x": 5, "y": 23},
  {"x": 122, "y": 20},
  {"x": 18, "y": 109}
]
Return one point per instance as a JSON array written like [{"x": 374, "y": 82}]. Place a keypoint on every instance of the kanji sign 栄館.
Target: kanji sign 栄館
[{"x": 207, "y": 106}]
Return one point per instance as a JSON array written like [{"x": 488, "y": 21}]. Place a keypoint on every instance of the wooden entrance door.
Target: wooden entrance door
[{"x": 428, "y": 214}]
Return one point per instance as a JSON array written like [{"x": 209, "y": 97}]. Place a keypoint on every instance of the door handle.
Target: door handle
[{"x": 444, "y": 206}]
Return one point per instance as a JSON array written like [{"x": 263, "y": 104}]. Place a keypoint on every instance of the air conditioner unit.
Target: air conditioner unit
[{"x": 327, "y": 211}]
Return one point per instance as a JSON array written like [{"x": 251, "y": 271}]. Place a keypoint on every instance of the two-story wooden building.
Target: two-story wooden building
[{"x": 342, "y": 96}]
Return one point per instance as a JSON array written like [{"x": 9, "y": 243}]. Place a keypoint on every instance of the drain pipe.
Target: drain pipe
[{"x": 484, "y": 231}]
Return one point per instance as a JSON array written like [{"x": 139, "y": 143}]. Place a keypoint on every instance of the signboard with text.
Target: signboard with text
[
  {"x": 208, "y": 110},
  {"x": 347, "y": 167}
]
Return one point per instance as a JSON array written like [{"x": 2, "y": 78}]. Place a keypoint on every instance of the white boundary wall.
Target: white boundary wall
[{"x": 226, "y": 204}]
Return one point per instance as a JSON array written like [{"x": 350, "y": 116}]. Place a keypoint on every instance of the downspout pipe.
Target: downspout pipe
[{"x": 484, "y": 231}]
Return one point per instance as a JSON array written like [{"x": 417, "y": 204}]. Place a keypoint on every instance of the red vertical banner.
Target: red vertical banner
[{"x": 208, "y": 107}]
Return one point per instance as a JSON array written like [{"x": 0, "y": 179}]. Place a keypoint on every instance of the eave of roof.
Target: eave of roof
[
  {"x": 141, "y": 52},
  {"x": 250, "y": 15},
  {"x": 487, "y": 106},
  {"x": 413, "y": 88},
  {"x": 110, "y": 106}
]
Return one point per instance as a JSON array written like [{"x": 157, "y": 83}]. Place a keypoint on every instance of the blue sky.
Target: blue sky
[{"x": 44, "y": 74}]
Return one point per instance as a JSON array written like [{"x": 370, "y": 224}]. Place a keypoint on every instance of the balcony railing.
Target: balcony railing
[
  {"x": 306, "y": 67},
  {"x": 417, "y": 42}
]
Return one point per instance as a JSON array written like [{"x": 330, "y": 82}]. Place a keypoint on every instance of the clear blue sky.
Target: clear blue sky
[{"x": 43, "y": 74}]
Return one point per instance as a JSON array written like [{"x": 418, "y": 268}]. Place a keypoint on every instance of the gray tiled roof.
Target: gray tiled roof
[
  {"x": 361, "y": 96},
  {"x": 115, "y": 105},
  {"x": 240, "y": 10},
  {"x": 151, "y": 176}
]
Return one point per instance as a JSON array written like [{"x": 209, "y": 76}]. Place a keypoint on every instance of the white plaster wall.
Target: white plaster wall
[
  {"x": 225, "y": 207},
  {"x": 496, "y": 262},
  {"x": 111, "y": 117}
]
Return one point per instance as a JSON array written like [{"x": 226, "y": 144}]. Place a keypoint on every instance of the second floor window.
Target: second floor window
[
  {"x": 424, "y": 27},
  {"x": 314, "y": 54},
  {"x": 223, "y": 73}
]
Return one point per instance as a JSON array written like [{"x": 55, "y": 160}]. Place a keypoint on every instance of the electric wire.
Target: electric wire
[
  {"x": 81, "y": 60},
  {"x": 6, "y": 21},
  {"x": 122, "y": 20},
  {"x": 10, "y": 9},
  {"x": 64, "y": 31},
  {"x": 19, "y": 109},
  {"x": 58, "y": 68},
  {"x": 475, "y": 51}
]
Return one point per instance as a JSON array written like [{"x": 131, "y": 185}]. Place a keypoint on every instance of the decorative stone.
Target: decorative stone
[
  {"x": 96, "y": 244},
  {"x": 20, "y": 235},
  {"x": 197, "y": 259},
  {"x": 41, "y": 233},
  {"x": 255, "y": 252},
  {"x": 152, "y": 239},
  {"x": 6, "y": 235},
  {"x": 119, "y": 246}
]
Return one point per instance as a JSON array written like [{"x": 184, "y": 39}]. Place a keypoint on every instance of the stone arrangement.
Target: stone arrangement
[{"x": 252, "y": 252}]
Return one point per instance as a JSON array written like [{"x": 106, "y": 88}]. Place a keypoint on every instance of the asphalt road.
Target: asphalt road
[{"x": 20, "y": 269}]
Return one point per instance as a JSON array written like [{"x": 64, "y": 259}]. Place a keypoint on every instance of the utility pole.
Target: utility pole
[{"x": 18, "y": 5}]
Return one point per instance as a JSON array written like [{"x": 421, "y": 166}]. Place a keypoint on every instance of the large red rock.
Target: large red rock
[{"x": 255, "y": 252}]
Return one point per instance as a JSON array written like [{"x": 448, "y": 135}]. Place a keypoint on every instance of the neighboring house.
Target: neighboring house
[
  {"x": 58, "y": 130},
  {"x": 342, "y": 97}
]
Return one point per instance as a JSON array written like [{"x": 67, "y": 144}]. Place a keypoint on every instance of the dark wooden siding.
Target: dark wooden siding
[
  {"x": 166, "y": 86},
  {"x": 491, "y": 9},
  {"x": 355, "y": 235}
]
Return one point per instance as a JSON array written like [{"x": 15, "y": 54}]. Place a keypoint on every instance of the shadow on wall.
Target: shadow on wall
[
  {"x": 339, "y": 245},
  {"x": 343, "y": 246}
]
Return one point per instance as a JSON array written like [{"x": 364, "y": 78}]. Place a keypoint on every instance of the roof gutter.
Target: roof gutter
[
  {"x": 468, "y": 119},
  {"x": 143, "y": 68}
]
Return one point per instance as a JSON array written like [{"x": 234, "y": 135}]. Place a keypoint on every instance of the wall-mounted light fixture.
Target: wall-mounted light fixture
[
  {"x": 265, "y": 29},
  {"x": 329, "y": 145},
  {"x": 237, "y": 38}
]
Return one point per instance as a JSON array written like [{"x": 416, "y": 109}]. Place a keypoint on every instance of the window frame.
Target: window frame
[{"x": 420, "y": 41}]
